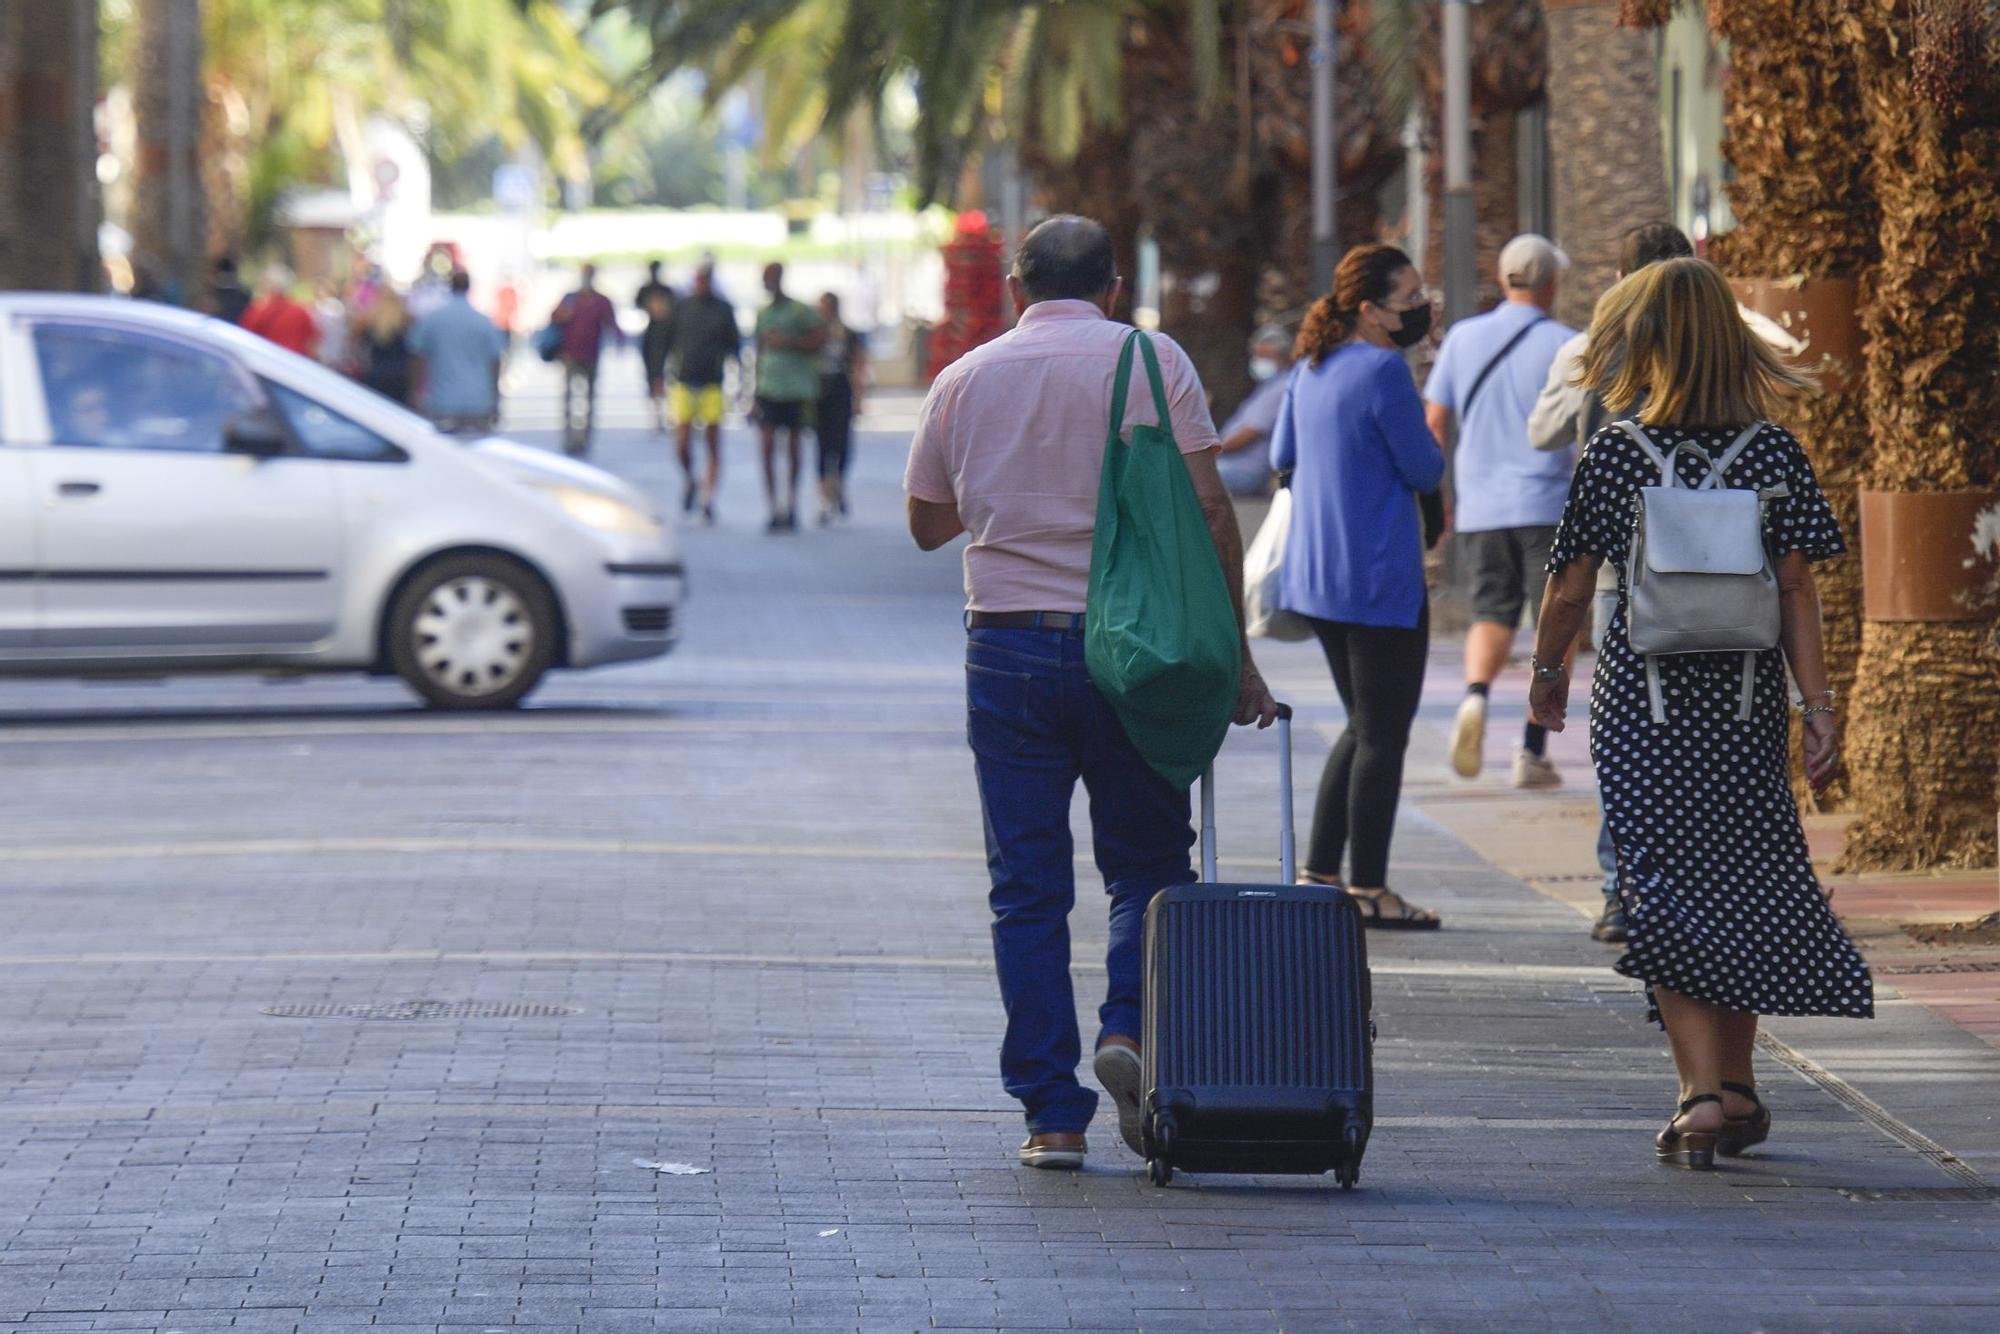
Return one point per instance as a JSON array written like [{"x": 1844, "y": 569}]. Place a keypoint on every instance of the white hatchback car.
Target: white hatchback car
[{"x": 177, "y": 495}]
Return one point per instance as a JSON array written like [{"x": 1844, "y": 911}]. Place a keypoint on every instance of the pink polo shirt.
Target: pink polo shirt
[{"x": 1014, "y": 433}]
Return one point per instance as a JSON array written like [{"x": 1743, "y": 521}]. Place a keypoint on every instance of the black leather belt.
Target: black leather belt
[{"x": 1024, "y": 620}]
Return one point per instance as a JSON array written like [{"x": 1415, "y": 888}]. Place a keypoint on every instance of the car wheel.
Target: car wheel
[{"x": 473, "y": 632}]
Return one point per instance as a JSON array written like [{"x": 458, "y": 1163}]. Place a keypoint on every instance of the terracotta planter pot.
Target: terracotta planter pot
[
  {"x": 1930, "y": 555},
  {"x": 1821, "y": 313}
]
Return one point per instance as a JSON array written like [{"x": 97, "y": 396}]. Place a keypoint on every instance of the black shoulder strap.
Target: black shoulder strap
[{"x": 1493, "y": 365}]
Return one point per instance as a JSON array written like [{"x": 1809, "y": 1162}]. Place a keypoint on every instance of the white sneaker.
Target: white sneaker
[
  {"x": 1468, "y": 737},
  {"x": 1533, "y": 771}
]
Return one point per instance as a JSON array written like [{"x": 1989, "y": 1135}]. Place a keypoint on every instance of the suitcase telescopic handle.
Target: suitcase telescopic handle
[{"x": 1288, "y": 868}]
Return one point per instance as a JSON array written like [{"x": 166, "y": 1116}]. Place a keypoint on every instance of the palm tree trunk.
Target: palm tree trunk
[
  {"x": 1795, "y": 132},
  {"x": 1610, "y": 167},
  {"x": 168, "y": 230},
  {"x": 49, "y": 205},
  {"x": 1925, "y": 729}
]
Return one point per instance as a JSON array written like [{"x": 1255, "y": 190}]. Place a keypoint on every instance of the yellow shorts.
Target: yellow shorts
[{"x": 695, "y": 407}]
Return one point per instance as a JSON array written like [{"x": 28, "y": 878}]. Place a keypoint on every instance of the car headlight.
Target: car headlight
[{"x": 607, "y": 514}]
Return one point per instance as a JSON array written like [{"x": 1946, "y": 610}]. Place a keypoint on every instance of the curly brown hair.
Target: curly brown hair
[{"x": 1365, "y": 273}]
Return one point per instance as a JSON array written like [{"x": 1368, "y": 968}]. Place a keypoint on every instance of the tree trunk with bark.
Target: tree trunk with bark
[
  {"x": 1795, "y": 134},
  {"x": 1509, "y": 75},
  {"x": 1279, "y": 94},
  {"x": 49, "y": 204},
  {"x": 1610, "y": 165},
  {"x": 1925, "y": 728},
  {"x": 168, "y": 224}
]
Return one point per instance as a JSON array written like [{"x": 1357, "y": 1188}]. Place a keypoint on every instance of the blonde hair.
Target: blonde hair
[
  {"x": 1670, "y": 337},
  {"x": 386, "y": 316}
]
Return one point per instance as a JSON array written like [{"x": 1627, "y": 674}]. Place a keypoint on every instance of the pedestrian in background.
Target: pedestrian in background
[
  {"x": 1566, "y": 415},
  {"x": 843, "y": 371},
  {"x": 789, "y": 338},
  {"x": 702, "y": 339},
  {"x": 1009, "y": 448},
  {"x": 655, "y": 301},
  {"x": 383, "y": 350},
  {"x": 1508, "y": 495},
  {"x": 458, "y": 354},
  {"x": 1245, "y": 460},
  {"x": 1727, "y": 919},
  {"x": 587, "y": 320},
  {"x": 227, "y": 297},
  {"x": 1352, "y": 433},
  {"x": 274, "y": 315}
]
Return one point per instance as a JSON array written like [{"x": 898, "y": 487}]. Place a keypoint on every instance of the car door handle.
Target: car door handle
[{"x": 78, "y": 488}]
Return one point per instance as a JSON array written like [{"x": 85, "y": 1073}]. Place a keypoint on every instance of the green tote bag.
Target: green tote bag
[{"x": 1160, "y": 634}]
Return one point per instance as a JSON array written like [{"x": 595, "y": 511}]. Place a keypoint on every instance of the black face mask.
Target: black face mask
[{"x": 1416, "y": 323}]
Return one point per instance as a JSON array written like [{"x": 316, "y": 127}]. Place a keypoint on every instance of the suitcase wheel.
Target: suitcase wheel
[
  {"x": 1349, "y": 1171},
  {"x": 1160, "y": 1171}
]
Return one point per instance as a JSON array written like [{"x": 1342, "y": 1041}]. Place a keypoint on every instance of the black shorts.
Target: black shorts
[
  {"x": 784, "y": 414},
  {"x": 1507, "y": 569}
]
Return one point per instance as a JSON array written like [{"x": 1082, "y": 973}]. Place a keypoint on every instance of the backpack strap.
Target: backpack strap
[
  {"x": 1735, "y": 451},
  {"x": 1645, "y": 442},
  {"x": 1747, "y": 696}
]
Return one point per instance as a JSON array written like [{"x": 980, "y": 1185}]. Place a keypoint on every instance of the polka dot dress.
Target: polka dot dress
[{"x": 1713, "y": 867}]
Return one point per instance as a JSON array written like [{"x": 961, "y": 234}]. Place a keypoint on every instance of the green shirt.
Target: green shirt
[{"x": 786, "y": 375}]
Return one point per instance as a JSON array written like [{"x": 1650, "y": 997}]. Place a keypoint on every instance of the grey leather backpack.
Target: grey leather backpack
[{"x": 1699, "y": 578}]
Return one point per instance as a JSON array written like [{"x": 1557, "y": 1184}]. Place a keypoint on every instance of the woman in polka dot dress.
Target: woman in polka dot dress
[{"x": 1728, "y": 921}]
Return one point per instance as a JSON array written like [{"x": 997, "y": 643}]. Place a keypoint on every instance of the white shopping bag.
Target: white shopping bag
[{"x": 1263, "y": 572}]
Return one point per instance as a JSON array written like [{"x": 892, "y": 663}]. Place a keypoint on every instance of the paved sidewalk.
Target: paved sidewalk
[{"x": 748, "y": 885}]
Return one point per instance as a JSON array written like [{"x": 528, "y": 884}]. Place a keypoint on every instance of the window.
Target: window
[
  {"x": 118, "y": 389},
  {"x": 325, "y": 434}
]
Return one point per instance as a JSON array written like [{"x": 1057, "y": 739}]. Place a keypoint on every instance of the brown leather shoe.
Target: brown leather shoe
[{"x": 1062, "y": 1153}]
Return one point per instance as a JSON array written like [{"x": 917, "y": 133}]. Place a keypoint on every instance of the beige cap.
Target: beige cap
[{"x": 1528, "y": 261}]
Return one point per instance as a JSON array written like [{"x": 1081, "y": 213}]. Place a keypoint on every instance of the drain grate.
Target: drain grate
[
  {"x": 1923, "y": 1194},
  {"x": 424, "y": 1009}
]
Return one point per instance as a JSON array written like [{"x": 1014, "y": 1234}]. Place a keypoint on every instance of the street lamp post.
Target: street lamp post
[
  {"x": 1461, "y": 277},
  {"x": 1325, "y": 147}
]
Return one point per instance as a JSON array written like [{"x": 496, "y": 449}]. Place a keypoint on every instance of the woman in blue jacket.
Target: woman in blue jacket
[{"x": 1352, "y": 433}]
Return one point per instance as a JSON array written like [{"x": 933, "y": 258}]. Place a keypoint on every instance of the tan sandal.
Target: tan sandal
[{"x": 1407, "y": 917}]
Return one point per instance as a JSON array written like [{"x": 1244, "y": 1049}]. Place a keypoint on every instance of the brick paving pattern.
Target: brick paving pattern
[{"x": 754, "y": 871}]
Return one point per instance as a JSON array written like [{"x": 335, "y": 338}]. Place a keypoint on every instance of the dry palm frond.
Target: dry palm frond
[{"x": 1948, "y": 57}]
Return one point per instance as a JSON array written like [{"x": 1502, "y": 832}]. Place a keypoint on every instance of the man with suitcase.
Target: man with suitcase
[{"x": 1008, "y": 449}]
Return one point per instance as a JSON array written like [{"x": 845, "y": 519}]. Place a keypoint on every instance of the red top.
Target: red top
[
  {"x": 283, "y": 321},
  {"x": 587, "y": 319}
]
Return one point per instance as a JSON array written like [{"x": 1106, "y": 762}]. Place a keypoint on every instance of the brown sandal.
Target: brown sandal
[{"x": 1408, "y": 917}]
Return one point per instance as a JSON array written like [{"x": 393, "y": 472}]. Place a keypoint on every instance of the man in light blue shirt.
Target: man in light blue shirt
[
  {"x": 459, "y": 352},
  {"x": 1245, "y": 460},
  {"x": 1508, "y": 494}
]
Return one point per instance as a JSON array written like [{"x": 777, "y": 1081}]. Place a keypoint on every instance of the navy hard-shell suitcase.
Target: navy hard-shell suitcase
[{"x": 1257, "y": 1043}]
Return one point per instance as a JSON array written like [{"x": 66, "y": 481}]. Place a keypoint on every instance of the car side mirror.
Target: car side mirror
[{"x": 258, "y": 434}]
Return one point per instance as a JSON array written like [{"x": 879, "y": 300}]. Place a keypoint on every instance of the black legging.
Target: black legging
[
  {"x": 833, "y": 424},
  {"x": 1379, "y": 672}
]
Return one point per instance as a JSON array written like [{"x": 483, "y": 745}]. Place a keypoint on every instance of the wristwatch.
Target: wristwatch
[{"x": 1542, "y": 673}]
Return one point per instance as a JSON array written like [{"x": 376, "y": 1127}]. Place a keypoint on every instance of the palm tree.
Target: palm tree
[
  {"x": 1796, "y": 133},
  {"x": 276, "y": 79},
  {"x": 48, "y": 154},
  {"x": 169, "y": 225},
  {"x": 1610, "y": 167},
  {"x": 1116, "y": 107},
  {"x": 1925, "y": 731}
]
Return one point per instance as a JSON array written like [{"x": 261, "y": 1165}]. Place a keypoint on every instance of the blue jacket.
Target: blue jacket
[{"x": 1352, "y": 431}]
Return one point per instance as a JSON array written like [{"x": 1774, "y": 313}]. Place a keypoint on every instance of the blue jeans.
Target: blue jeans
[
  {"x": 1603, "y": 607},
  {"x": 1036, "y": 725}
]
